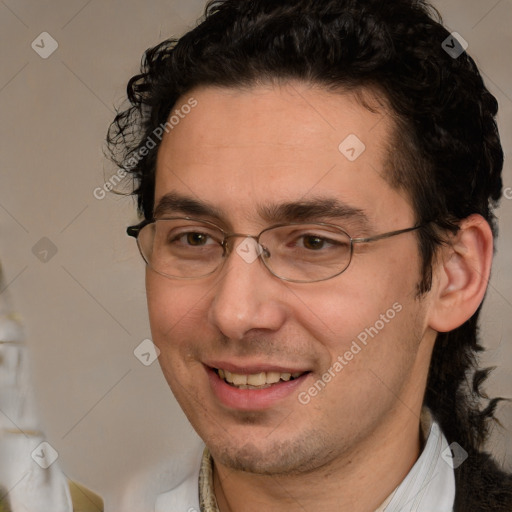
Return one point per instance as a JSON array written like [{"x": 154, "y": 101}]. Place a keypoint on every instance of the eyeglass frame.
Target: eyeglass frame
[{"x": 133, "y": 231}]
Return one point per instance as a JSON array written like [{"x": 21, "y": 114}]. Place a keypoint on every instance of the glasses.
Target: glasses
[{"x": 187, "y": 248}]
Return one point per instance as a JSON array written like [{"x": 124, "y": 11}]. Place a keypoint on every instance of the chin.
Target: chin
[{"x": 270, "y": 458}]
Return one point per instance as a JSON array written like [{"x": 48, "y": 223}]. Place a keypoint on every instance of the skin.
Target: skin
[{"x": 355, "y": 441}]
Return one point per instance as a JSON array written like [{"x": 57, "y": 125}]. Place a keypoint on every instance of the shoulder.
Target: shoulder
[
  {"x": 481, "y": 486},
  {"x": 170, "y": 484}
]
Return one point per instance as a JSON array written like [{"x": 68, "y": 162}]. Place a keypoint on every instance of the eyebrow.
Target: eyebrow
[{"x": 303, "y": 210}]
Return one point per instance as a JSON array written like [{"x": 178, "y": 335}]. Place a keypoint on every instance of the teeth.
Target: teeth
[
  {"x": 239, "y": 380},
  {"x": 256, "y": 380},
  {"x": 273, "y": 377}
]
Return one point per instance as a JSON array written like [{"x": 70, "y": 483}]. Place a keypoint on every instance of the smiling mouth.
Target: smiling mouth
[{"x": 260, "y": 380}]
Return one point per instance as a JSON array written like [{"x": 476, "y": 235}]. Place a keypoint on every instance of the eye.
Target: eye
[
  {"x": 192, "y": 239},
  {"x": 317, "y": 242},
  {"x": 314, "y": 242}
]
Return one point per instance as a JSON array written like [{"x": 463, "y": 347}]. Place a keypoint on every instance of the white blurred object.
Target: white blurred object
[{"x": 30, "y": 477}]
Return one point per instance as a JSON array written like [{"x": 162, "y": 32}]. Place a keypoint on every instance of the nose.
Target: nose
[{"x": 247, "y": 296}]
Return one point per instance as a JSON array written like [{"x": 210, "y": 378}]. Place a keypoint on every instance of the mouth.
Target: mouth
[
  {"x": 254, "y": 388},
  {"x": 261, "y": 380}
]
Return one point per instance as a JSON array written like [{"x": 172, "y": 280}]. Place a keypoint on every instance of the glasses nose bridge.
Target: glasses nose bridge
[{"x": 228, "y": 248}]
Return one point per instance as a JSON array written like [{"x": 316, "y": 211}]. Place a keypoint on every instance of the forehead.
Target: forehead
[{"x": 239, "y": 147}]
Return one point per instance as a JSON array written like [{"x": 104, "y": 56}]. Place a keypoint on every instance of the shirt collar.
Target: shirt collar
[
  {"x": 207, "y": 500},
  {"x": 429, "y": 485}
]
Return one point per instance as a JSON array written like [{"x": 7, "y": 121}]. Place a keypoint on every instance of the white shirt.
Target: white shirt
[{"x": 430, "y": 484}]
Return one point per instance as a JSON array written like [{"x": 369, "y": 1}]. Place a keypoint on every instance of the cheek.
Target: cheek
[
  {"x": 160, "y": 296},
  {"x": 358, "y": 299},
  {"x": 174, "y": 311},
  {"x": 386, "y": 273},
  {"x": 369, "y": 314},
  {"x": 372, "y": 352},
  {"x": 173, "y": 307}
]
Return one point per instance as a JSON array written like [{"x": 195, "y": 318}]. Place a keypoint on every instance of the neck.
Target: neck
[{"x": 362, "y": 480}]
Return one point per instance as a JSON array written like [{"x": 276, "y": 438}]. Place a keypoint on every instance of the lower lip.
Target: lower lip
[{"x": 252, "y": 399}]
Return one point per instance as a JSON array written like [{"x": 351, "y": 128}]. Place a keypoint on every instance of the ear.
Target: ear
[{"x": 461, "y": 274}]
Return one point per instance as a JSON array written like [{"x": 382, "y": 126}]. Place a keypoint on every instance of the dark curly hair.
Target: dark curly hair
[{"x": 445, "y": 152}]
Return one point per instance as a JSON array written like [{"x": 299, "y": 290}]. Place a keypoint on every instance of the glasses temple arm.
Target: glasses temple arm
[
  {"x": 386, "y": 235},
  {"x": 135, "y": 230}
]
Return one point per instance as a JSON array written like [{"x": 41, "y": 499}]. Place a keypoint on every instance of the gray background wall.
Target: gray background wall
[{"x": 84, "y": 309}]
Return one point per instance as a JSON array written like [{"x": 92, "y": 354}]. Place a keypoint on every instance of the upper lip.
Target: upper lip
[{"x": 252, "y": 368}]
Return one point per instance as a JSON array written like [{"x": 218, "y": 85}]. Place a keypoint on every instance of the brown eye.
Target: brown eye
[
  {"x": 313, "y": 242},
  {"x": 196, "y": 238}
]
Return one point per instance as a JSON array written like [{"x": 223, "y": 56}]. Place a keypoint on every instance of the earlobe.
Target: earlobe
[{"x": 462, "y": 274}]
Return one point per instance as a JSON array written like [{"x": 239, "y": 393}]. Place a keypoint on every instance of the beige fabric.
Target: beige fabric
[
  {"x": 207, "y": 500},
  {"x": 84, "y": 500}
]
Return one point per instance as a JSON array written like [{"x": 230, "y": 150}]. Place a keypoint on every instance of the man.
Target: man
[{"x": 317, "y": 181}]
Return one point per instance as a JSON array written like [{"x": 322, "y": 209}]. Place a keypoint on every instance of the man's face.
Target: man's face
[{"x": 238, "y": 151}]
